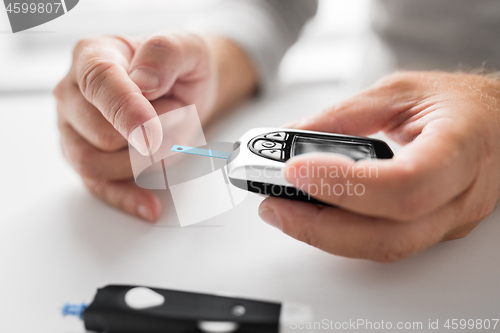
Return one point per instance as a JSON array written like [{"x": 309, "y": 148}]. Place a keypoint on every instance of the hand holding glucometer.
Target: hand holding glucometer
[
  {"x": 440, "y": 184},
  {"x": 260, "y": 155}
]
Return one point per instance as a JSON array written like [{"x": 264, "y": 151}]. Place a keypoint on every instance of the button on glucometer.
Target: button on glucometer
[
  {"x": 267, "y": 144},
  {"x": 279, "y": 136},
  {"x": 271, "y": 153}
]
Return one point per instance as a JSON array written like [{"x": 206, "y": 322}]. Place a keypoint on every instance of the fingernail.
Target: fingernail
[
  {"x": 145, "y": 213},
  {"x": 142, "y": 139},
  {"x": 146, "y": 79},
  {"x": 268, "y": 215}
]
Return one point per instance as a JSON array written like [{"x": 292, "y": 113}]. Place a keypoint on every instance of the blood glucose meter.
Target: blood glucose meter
[{"x": 259, "y": 156}]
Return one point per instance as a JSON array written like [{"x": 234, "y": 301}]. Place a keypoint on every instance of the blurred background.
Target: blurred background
[
  {"x": 324, "y": 66},
  {"x": 58, "y": 243},
  {"x": 330, "y": 49}
]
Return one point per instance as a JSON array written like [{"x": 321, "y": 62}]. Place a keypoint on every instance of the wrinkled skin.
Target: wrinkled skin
[
  {"x": 115, "y": 85},
  {"x": 439, "y": 186}
]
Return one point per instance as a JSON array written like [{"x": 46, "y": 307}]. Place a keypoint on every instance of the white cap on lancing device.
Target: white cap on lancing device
[{"x": 294, "y": 315}]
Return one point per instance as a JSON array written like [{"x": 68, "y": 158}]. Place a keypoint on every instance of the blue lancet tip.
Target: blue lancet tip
[{"x": 74, "y": 309}]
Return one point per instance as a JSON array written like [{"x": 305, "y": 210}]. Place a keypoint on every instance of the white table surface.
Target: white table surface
[{"x": 58, "y": 243}]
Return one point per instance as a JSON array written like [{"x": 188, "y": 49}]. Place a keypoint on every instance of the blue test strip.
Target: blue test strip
[{"x": 201, "y": 151}]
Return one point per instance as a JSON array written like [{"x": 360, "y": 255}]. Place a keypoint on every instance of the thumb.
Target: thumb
[
  {"x": 99, "y": 69},
  {"x": 160, "y": 60}
]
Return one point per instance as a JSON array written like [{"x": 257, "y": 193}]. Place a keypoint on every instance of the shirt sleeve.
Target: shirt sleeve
[{"x": 264, "y": 29}]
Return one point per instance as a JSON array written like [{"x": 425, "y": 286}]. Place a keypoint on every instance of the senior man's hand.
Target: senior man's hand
[
  {"x": 117, "y": 84},
  {"x": 438, "y": 187}
]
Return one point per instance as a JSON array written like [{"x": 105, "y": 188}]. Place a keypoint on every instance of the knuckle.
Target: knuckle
[
  {"x": 86, "y": 41},
  {"x": 193, "y": 39},
  {"x": 461, "y": 231},
  {"x": 303, "y": 234},
  {"x": 395, "y": 78},
  {"x": 390, "y": 256},
  {"x": 81, "y": 45},
  {"x": 458, "y": 235},
  {"x": 101, "y": 189},
  {"x": 84, "y": 47},
  {"x": 482, "y": 211},
  {"x": 58, "y": 91},
  {"x": 93, "y": 75},
  {"x": 168, "y": 44},
  {"x": 94, "y": 186},
  {"x": 402, "y": 81},
  {"x": 306, "y": 236},
  {"x": 389, "y": 251},
  {"x": 109, "y": 140},
  {"x": 403, "y": 241},
  {"x": 83, "y": 161}
]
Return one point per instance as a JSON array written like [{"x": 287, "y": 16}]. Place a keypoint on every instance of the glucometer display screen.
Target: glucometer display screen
[{"x": 354, "y": 150}]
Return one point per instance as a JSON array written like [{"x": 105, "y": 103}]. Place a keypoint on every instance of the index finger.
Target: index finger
[{"x": 100, "y": 71}]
